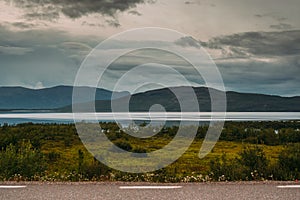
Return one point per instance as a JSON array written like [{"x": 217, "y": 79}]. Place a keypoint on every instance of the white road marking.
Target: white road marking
[
  {"x": 288, "y": 186},
  {"x": 150, "y": 187},
  {"x": 12, "y": 186}
]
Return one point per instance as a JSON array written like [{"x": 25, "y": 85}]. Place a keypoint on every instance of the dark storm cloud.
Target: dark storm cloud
[
  {"x": 263, "y": 62},
  {"x": 44, "y": 15},
  {"x": 51, "y": 9},
  {"x": 260, "y": 43}
]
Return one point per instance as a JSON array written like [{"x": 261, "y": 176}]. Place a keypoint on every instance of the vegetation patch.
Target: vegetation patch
[{"x": 246, "y": 151}]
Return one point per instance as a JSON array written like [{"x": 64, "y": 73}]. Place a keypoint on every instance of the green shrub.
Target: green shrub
[
  {"x": 251, "y": 164},
  {"x": 255, "y": 162},
  {"x": 23, "y": 161},
  {"x": 224, "y": 169},
  {"x": 288, "y": 165}
]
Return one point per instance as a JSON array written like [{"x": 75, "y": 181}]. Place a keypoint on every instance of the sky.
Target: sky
[{"x": 255, "y": 44}]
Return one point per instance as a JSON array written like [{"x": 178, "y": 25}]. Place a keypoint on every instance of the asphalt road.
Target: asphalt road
[{"x": 136, "y": 191}]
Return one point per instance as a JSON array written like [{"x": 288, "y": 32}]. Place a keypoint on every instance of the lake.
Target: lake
[{"x": 17, "y": 118}]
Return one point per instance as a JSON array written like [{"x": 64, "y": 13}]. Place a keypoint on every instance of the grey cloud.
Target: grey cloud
[
  {"x": 151, "y": 57},
  {"x": 189, "y": 2},
  {"x": 258, "y": 15},
  {"x": 227, "y": 51},
  {"x": 260, "y": 43},
  {"x": 298, "y": 62},
  {"x": 44, "y": 64},
  {"x": 273, "y": 16},
  {"x": 51, "y": 9},
  {"x": 281, "y": 26},
  {"x": 151, "y": 1},
  {"x": 258, "y": 76},
  {"x": 76, "y": 46},
  {"x": 134, "y": 12},
  {"x": 188, "y": 41},
  {"x": 198, "y": 2},
  {"x": 85, "y": 23},
  {"x": 281, "y": 18},
  {"x": 13, "y": 50},
  {"x": 52, "y": 57},
  {"x": 56, "y": 57},
  {"x": 75, "y": 50},
  {"x": 48, "y": 15},
  {"x": 264, "y": 62},
  {"x": 29, "y": 38},
  {"x": 34, "y": 37},
  {"x": 115, "y": 23},
  {"x": 23, "y": 25}
]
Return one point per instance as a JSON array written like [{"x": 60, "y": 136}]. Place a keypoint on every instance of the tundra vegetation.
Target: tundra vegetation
[{"x": 245, "y": 151}]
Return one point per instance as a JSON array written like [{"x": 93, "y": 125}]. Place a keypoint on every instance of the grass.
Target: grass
[
  {"x": 188, "y": 163},
  {"x": 60, "y": 146}
]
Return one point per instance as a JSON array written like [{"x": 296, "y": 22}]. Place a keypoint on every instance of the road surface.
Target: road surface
[{"x": 136, "y": 191}]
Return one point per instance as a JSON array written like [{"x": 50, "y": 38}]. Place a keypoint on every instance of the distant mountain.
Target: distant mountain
[
  {"x": 261, "y": 103},
  {"x": 236, "y": 102},
  {"x": 59, "y": 99},
  {"x": 48, "y": 98}
]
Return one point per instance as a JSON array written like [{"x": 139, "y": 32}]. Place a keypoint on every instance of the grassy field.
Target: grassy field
[
  {"x": 62, "y": 156},
  {"x": 188, "y": 163}
]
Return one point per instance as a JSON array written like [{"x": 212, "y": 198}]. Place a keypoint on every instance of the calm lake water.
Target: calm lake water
[{"x": 16, "y": 118}]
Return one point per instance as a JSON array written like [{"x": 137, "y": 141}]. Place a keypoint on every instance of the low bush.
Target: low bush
[{"x": 23, "y": 161}]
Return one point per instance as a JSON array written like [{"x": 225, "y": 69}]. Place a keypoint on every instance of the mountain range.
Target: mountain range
[
  {"x": 59, "y": 99},
  {"x": 47, "y": 98}
]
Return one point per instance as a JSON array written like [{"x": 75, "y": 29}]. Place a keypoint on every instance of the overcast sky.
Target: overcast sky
[{"x": 255, "y": 44}]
